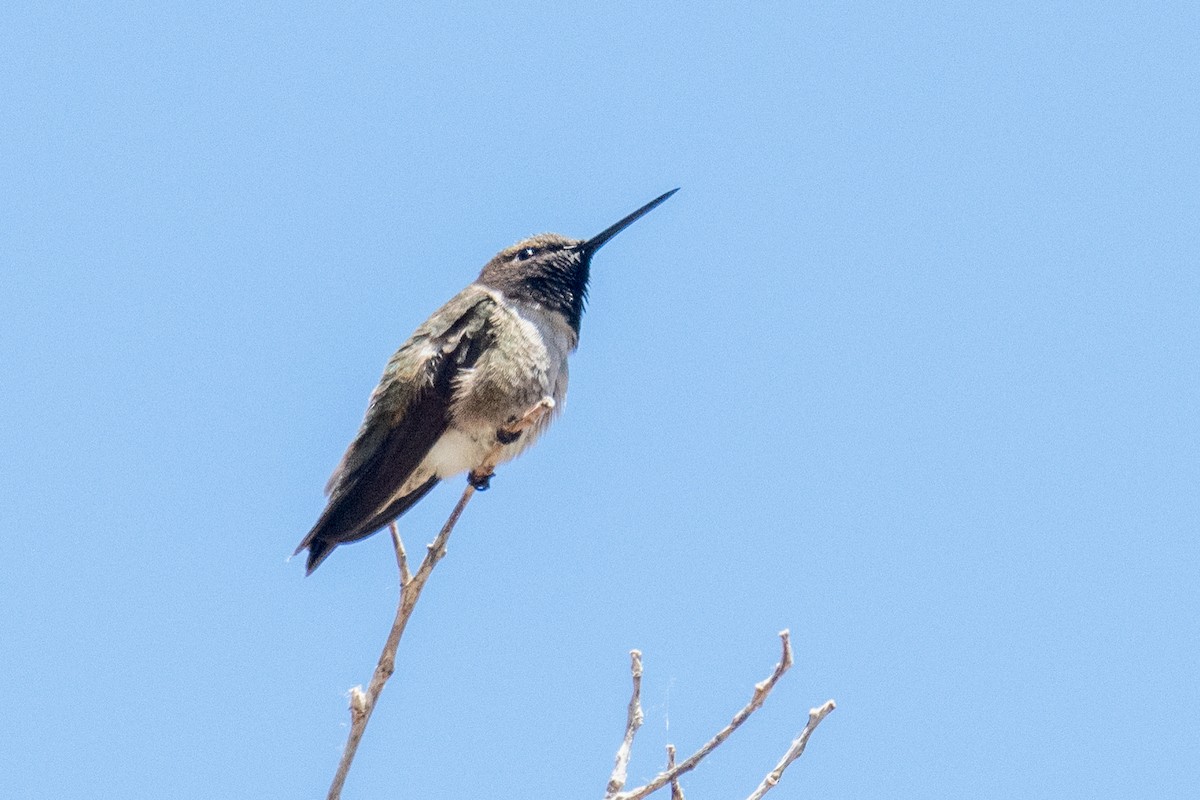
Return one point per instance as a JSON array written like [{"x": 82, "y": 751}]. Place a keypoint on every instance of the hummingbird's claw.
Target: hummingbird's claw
[{"x": 479, "y": 482}]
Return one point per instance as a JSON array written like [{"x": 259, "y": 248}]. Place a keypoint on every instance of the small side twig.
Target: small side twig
[
  {"x": 815, "y": 715},
  {"x": 676, "y": 789},
  {"x": 633, "y": 721},
  {"x": 362, "y": 704},
  {"x": 401, "y": 555}
]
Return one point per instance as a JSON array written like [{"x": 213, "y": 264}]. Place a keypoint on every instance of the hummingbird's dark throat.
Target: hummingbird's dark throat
[{"x": 559, "y": 287}]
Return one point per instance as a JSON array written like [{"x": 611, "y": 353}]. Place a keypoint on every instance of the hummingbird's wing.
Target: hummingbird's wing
[{"x": 408, "y": 412}]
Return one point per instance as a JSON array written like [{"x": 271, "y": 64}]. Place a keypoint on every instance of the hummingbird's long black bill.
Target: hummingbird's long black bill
[{"x": 596, "y": 242}]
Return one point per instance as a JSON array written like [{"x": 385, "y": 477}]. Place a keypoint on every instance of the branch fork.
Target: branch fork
[{"x": 673, "y": 771}]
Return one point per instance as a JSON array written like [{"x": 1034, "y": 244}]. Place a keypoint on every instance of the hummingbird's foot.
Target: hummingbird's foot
[
  {"x": 517, "y": 425},
  {"x": 480, "y": 481}
]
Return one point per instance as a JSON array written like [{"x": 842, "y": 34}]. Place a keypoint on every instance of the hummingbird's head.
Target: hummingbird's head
[
  {"x": 547, "y": 269},
  {"x": 552, "y": 270}
]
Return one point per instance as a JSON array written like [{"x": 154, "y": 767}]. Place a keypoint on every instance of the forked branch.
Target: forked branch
[{"x": 671, "y": 774}]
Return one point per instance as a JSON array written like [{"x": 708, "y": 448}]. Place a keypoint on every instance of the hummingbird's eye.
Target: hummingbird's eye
[{"x": 526, "y": 254}]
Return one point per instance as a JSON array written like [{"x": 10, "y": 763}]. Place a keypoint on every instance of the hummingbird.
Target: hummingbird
[{"x": 452, "y": 394}]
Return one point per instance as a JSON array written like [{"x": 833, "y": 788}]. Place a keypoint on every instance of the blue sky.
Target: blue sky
[{"x": 908, "y": 366}]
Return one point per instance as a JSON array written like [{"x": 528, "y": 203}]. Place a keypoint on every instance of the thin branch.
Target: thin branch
[
  {"x": 761, "y": 690},
  {"x": 815, "y": 715},
  {"x": 633, "y": 721},
  {"x": 362, "y": 704}
]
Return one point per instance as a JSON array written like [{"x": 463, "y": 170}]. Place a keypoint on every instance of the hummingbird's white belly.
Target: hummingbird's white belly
[
  {"x": 457, "y": 451},
  {"x": 454, "y": 453}
]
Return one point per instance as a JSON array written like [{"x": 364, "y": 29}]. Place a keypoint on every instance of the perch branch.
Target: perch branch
[
  {"x": 362, "y": 704},
  {"x": 815, "y": 715}
]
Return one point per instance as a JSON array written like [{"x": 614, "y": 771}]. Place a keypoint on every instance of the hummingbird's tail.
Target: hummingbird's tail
[
  {"x": 318, "y": 551},
  {"x": 333, "y": 528}
]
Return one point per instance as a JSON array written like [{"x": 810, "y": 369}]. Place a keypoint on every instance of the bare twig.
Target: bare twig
[
  {"x": 632, "y": 723},
  {"x": 401, "y": 555},
  {"x": 676, "y": 789},
  {"x": 815, "y": 715},
  {"x": 362, "y": 704},
  {"x": 673, "y": 771}
]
